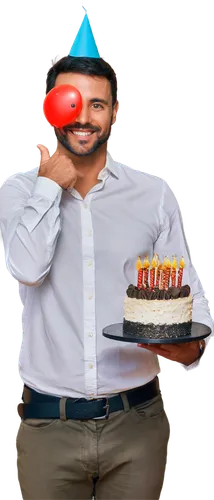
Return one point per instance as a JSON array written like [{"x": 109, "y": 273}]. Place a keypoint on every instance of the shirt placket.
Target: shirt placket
[{"x": 90, "y": 361}]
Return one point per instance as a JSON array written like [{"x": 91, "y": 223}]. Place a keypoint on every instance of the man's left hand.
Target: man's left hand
[{"x": 185, "y": 353}]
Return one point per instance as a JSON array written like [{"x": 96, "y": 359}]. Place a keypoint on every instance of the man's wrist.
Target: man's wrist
[
  {"x": 201, "y": 346},
  {"x": 200, "y": 351}
]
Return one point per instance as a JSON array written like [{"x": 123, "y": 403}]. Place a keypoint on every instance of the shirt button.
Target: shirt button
[
  {"x": 90, "y": 334},
  {"x": 90, "y": 232},
  {"x": 90, "y": 297},
  {"x": 90, "y": 263},
  {"x": 91, "y": 365},
  {"x": 86, "y": 205}
]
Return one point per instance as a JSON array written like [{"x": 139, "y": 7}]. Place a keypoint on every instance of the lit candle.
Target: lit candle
[
  {"x": 156, "y": 267},
  {"x": 173, "y": 274},
  {"x": 146, "y": 265},
  {"x": 167, "y": 272},
  {"x": 159, "y": 268},
  {"x": 180, "y": 272},
  {"x": 139, "y": 267},
  {"x": 161, "y": 277},
  {"x": 152, "y": 271},
  {"x": 164, "y": 274}
]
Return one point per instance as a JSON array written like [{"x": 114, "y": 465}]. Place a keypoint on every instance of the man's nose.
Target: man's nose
[{"x": 84, "y": 115}]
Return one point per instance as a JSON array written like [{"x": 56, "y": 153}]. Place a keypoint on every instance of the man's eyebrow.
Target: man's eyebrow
[{"x": 98, "y": 99}]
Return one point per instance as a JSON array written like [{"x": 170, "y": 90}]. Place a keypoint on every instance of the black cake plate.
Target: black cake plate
[{"x": 115, "y": 332}]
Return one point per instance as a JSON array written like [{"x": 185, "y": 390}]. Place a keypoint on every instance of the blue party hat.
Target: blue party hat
[{"x": 84, "y": 44}]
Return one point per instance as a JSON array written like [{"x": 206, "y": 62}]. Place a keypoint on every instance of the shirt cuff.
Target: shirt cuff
[
  {"x": 47, "y": 187},
  {"x": 194, "y": 366},
  {"x": 197, "y": 362}
]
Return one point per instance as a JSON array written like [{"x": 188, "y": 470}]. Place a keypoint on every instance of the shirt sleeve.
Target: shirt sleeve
[
  {"x": 172, "y": 240},
  {"x": 30, "y": 226}
]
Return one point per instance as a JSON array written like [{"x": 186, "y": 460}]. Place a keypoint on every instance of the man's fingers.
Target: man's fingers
[{"x": 44, "y": 152}]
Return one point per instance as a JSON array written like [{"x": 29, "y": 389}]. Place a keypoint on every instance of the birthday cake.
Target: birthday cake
[{"x": 159, "y": 306}]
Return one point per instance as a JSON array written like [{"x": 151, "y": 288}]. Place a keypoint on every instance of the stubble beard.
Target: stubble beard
[{"x": 62, "y": 138}]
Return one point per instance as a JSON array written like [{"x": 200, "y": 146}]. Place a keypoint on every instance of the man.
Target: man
[{"x": 72, "y": 230}]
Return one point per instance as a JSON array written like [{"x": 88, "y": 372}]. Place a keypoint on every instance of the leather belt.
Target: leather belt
[{"x": 37, "y": 405}]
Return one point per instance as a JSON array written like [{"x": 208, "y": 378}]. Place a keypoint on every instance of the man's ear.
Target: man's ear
[{"x": 114, "y": 113}]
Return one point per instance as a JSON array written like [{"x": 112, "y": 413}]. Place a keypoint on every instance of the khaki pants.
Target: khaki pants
[{"x": 57, "y": 459}]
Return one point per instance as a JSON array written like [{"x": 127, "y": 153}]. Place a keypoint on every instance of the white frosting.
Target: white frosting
[{"x": 158, "y": 312}]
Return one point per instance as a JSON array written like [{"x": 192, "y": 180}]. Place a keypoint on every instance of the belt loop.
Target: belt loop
[
  {"x": 124, "y": 398},
  {"x": 62, "y": 408},
  {"x": 26, "y": 395}
]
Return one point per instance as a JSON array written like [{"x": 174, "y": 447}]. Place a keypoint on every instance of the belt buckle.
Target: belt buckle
[{"x": 106, "y": 407}]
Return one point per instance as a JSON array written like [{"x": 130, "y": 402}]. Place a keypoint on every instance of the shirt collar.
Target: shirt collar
[{"x": 110, "y": 166}]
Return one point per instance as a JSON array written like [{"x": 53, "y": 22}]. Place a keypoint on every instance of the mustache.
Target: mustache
[{"x": 86, "y": 126}]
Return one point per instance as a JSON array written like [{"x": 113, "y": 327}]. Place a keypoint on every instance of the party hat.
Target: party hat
[{"x": 84, "y": 44}]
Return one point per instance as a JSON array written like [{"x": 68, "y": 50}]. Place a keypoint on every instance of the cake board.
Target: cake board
[{"x": 199, "y": 331}]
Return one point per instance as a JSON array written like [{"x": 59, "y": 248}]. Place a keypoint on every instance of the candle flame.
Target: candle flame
[
  {"x": 146, "y": 263},
  {"x": 155, "y": 261},
  {"x": 174, "y": 263},
  {"x": 182, "y": 263},
  {"x": 168, "y": 263},
  {"x": 139, "y": 264}
]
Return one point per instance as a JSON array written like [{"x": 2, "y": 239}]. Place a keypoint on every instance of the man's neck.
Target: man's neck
[{"x": 89, "y": 165}]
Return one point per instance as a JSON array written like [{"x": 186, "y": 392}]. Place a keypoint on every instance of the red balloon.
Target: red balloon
[{"x": 62, "y": 105}]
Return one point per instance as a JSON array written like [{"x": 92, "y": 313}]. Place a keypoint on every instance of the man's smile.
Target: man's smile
[{"x": 86, "y": 134}]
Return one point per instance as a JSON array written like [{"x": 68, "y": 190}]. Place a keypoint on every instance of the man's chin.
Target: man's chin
[
  {"x": 82, "y": 153},
  {"x": 82, "y": 149}
]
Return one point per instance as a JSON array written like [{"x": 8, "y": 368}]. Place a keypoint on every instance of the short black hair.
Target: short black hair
[{"x": 86, "y": 66}]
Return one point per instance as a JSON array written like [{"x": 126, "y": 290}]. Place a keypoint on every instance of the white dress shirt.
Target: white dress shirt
[{"x": 74, "y": 259}]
